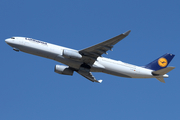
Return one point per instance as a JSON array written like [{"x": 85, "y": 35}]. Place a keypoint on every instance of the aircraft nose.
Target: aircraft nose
[{"x": 7, "y": 40}]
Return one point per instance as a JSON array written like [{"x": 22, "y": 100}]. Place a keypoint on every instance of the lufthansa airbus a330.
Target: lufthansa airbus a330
[{"x": 90, "y": 59}]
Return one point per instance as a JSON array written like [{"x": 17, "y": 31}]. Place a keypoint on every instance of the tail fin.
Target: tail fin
[{"x": 161, "y": 62}]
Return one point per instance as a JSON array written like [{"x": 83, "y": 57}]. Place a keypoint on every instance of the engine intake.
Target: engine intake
[
  {"x": 71, "y": 54},
  {"x": 65, "y": 70}
]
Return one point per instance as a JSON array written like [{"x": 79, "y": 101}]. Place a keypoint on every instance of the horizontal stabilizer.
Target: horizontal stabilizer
[
  {"x": 161, "y": 79},
  {"x": 163, "y": 71}
]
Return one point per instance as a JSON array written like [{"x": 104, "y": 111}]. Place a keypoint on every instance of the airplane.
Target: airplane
[{"x": 90, "y": 59}]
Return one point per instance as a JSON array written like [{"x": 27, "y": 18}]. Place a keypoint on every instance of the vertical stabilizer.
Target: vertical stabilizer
[{"x": 161, "y": 62}]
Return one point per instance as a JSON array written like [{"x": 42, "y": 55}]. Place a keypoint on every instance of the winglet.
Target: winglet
[
  {"x": 99, "y": 81},
  {"x": 127, "y": 33}
]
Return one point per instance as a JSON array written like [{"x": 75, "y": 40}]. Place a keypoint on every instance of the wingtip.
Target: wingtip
[
  {"x": 127, "y": 33},
  {"x": 100, "y": 81}
]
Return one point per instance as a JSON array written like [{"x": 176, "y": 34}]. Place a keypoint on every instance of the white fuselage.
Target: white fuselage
[{"x": 54, "y": 52}]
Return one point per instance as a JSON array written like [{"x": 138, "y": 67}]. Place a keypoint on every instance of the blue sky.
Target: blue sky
[{"x": 31, "y": 90}]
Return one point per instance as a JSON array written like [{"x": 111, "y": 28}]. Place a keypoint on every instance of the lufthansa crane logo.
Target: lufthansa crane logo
[{"x": 162, "y": 62}]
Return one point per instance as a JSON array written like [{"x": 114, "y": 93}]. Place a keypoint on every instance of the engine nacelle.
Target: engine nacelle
[
  {"x": 71, "y": 54},
  {"x": 65, "y": 70}
]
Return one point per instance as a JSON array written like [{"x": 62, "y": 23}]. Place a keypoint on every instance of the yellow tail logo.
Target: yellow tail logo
[{"x": 162, "y": 62}]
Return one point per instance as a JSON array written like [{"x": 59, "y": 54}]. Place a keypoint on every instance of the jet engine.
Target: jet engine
[
  {"x": 65, "y": 70},
  {"x": 71, "y": 54}
]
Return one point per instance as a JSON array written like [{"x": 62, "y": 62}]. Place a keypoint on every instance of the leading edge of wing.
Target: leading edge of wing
[{"x": 102, "y": 47}]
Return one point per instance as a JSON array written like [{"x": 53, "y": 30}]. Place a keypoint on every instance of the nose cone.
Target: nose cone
[{"x": 7, "y": 40}]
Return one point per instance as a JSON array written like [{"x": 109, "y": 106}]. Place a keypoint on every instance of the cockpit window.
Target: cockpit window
[{"x": 13, "y": 38}]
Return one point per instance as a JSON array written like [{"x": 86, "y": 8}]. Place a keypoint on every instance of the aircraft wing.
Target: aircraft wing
[
  {"x": 90, "y": 54},
  {"x": 87, "y": 74}
]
